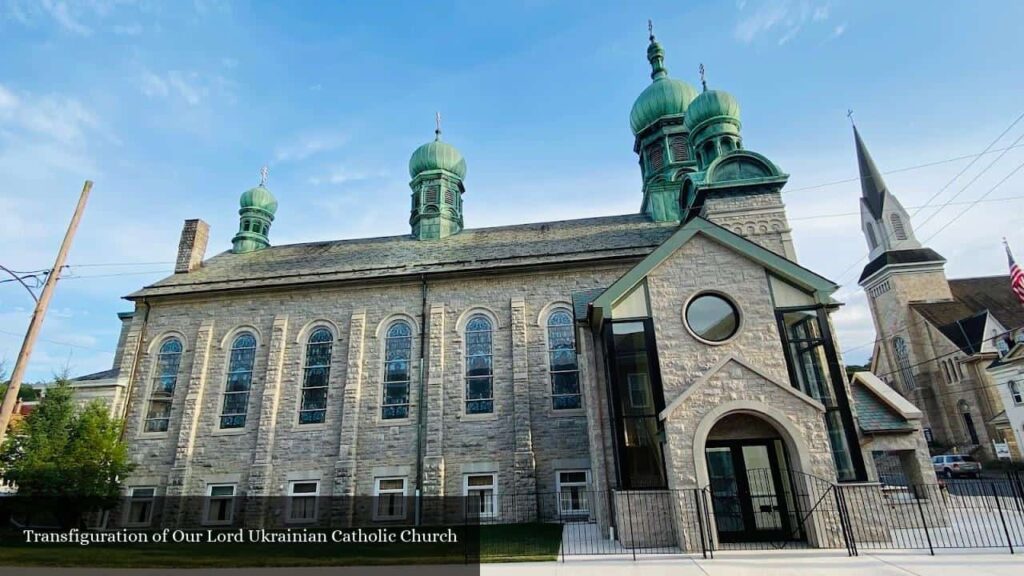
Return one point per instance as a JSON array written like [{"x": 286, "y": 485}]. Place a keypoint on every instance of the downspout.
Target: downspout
[
  {"x": 421, "y": 398},
  {"x": 131, "y": 373}
]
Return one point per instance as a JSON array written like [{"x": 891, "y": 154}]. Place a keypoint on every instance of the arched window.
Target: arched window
[
  {"x": 397, "y": 370},
  {"x": 165, "y": 378},
  {"x": 1015, "y": 392},
  {"x": 479, "y": 366},
  {"x": 899, "y": 346},
  {"x": 315, "y": 377},
  {"x": 565, "y": 374},
  {"x": 239, "y": 380},
  {"x": 897, "y": 226}
]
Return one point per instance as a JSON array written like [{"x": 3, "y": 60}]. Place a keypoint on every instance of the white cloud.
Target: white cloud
[
  {"x": 61, "y": 14},
  {"x": 304, "y": 146},
  {"x": 839, "y": 30},
  {"x": 782, "y": 18},
  {"x": 190, "y": 87},
  {"x": 133, "y": 29}
]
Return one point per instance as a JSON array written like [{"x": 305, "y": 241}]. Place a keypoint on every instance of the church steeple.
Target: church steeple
[
  {"x": 885, "y": 222},
  {"x": 656, "y": 120},
  {"x": 437, "y": 170}
]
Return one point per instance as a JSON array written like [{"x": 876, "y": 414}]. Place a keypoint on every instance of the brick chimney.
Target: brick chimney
[{"x": 192, "y": 247}]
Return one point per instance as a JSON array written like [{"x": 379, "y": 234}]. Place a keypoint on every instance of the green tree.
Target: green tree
[{"x": 65, "y": 456}]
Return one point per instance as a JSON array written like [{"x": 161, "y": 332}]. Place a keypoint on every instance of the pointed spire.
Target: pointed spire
[
  {"x": 872, "y": 186},
  {"x": 655, "y": 55}
]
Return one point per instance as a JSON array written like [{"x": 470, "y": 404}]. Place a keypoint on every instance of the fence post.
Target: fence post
[
  {"x": 700, "y": 523},
  {"x": 924, "y": 522},
  {"x": 707, "y": 523},
  {"x": 1016, "y": 488},
  {"x": 999, "y": 507},
  {"x": 844, "y": 521}
]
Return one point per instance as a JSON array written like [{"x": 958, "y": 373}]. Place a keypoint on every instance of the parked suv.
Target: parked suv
[{"x": 956, "y": 466}]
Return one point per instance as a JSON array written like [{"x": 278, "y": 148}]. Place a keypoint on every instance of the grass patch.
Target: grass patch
[{"x": 498, "y": 543}]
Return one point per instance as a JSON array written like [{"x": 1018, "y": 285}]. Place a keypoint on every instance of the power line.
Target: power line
[
  {"x": 975, "y": 203},
  {"x": 61, "y": 343},
  {"x": 898, "y": 170},
  {"x": 840, "y": 214}
]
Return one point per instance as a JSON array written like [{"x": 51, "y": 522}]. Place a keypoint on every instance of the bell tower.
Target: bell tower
[{"x": 437, "y": 170}]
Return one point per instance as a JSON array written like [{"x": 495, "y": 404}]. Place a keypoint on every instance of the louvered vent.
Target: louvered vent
[
  {"x": 680, "y": 148},
  {"x": 433, "y": 193},
  {"x": 897, "y": 227},
  {"x": 449, "y": 197},
  {"x": 656, "y": 157}
]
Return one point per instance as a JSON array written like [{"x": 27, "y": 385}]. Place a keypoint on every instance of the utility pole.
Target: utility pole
[{"x": 37, "y": 316}]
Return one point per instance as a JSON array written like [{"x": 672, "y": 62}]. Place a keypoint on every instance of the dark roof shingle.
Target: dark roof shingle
[{"x": 391, "y": 256}]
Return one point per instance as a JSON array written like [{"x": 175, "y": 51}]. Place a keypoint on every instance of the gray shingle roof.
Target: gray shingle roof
[
  {"x": 875, "y": 416},
  {"x": 393, "y": 256}
]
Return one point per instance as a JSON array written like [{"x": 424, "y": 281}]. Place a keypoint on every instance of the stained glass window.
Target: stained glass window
[
  {"x": 239, "y": 381},
  {"x": 315, "y": 377},
  {"x": 397, "y": 371},
  {"x": 479, "y": 366},
  {"x": 165, "y": 379},
  {"x": 565, "y": 377}
]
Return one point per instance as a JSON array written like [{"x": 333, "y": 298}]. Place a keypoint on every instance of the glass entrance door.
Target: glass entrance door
[{"x": 747, "y": 491}]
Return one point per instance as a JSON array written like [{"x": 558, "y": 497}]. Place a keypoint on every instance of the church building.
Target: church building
[
  {"x": 672, "y": 348},
  {"x": 936, "y": 337}
]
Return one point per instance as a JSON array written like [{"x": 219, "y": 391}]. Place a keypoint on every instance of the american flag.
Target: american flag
[{"x": 1016, "y": 275}]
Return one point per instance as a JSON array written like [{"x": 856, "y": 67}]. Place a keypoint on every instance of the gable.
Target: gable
[
  {"x": 801, "y": 277},
  {"x": 721, "y": 365}
]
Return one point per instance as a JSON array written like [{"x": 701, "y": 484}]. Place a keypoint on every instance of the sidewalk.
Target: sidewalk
[{"x": 802, "y": 563}]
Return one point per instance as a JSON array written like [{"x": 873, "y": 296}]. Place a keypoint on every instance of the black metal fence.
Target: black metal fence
[{"x": 800, "y": 512}]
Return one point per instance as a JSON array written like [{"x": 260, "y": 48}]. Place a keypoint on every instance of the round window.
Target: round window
[{"x": 712, "y": 318}]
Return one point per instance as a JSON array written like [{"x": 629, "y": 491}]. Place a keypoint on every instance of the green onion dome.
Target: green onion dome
[
  {"x": 664, "y": 97},
  {"x": 712, "y": 104},
  {"x": 437, "y": 155},
  {"x": 258, "y": 198}
]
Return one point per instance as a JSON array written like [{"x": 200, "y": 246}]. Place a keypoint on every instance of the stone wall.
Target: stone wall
[{"x": 525, "y": 441}]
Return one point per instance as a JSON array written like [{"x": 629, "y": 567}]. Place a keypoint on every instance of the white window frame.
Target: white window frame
[
  {"x": 378, "y": 492},
  {"x": 132, "y": 499},
  {"x": 208, "y": 505},
  {"x": 583, "y": 512},
  {"x": 494, "y": 495},
  {"x": 292, "y": 495},
  {"x": 1016, "y": 394}
]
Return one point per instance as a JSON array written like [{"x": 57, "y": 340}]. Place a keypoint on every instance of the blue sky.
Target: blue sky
[{"x": 172, "y": 107}]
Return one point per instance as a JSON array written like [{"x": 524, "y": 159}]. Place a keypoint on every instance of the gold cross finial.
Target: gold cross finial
[
  {"x": 263, "y": 175},
  {"x": 650, "y": 29},
  {"x": 437, "y": 125},
  {"x": 703, "y": 81}
]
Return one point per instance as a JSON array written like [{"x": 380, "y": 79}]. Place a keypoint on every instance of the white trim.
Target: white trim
[
  {"x": 703, "y": 380},
  {"x": 494, "y": 494},
  {"x": 125, "y": 520},
  {"x": 585, "y": 511},
  {"x": 292, "y": 495},
  {"x": 377, "y": 501},
  {"x": 207, "y": 521}
]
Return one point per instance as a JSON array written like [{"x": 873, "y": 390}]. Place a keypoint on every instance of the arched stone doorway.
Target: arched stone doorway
[{"x": 749, "y": 461}]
